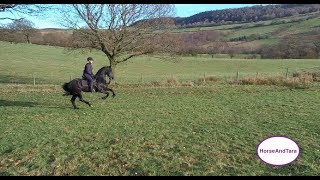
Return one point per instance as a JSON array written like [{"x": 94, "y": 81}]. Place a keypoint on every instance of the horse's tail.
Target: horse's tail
[{"x": 66, "y": 89}]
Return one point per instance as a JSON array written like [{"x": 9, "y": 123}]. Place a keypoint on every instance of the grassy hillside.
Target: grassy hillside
[
  {"x": 51, "y": 65},
  {"x": 298, "y": 26},
  {"x": 268, "y": 32}
]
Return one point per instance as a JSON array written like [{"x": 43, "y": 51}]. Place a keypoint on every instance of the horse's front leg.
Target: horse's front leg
[
  {"x": 109, "y": 89},
  {"x": 107, "y": 94},
  {"x": 102, "y": 89}
]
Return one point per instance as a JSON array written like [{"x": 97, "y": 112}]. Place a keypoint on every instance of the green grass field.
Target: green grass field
[
  {"x": 200, "y": 130},
  {"x": 211, "y": 130},
  {"x": 51, "y": 65}
]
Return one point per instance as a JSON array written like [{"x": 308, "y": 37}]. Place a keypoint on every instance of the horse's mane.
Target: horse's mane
[
  {"x": 101, "y": 71},
  {"x": 100, "y": 76}
]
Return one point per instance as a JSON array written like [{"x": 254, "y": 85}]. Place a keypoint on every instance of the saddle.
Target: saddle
[{"x": 85, "y": 83}]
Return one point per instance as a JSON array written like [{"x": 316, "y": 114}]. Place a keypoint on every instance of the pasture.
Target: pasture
[
  {"x": 211, "y": 129},
  {"x": 54, "y": 65}
]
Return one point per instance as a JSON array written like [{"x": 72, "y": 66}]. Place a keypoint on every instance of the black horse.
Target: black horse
[{"x": 76, "y": 86}]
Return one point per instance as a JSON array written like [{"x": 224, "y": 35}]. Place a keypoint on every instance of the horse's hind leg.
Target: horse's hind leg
[
  {"x": 73, "y": 99},
  {"x": 82, "y": 100}
]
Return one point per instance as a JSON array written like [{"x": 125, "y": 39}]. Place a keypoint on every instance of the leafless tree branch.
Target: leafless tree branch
[
  {"x": 26, "y": 9},
  {"x": 121, "y": 31}
]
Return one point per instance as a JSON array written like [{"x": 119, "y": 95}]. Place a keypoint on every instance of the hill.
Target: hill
[
  {"x": 253, "y": 37},
  {"x": 272, "y": 31},
  {"x": 246, "y": 14}
]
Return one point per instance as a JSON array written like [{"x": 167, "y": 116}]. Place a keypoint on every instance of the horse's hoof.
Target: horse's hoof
[{"x": 90, "y": 105}]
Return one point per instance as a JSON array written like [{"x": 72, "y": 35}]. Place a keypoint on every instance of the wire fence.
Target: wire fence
[{"x": 56, "y": 79}]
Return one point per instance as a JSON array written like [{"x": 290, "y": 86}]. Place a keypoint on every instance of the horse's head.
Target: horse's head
[
  {"x": 103, "y": 72},
  {"x": 109, "y": 72}
]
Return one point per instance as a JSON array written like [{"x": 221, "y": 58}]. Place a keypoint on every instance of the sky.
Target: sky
[{"x": 182, "y": 10}]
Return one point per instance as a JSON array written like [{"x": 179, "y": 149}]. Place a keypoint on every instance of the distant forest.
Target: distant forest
[{"x": 246, "y": 14}]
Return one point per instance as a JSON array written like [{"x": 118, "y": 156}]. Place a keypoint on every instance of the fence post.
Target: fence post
[
  {"x": 13, "y": 77},
  {"x": 257, "y": 74},
  {"x": 141, "y": 78},
  {"x": 287, "y": 73},
  {"x": 204, "y": 77},
  {"x": 34, "y": 79},
  {"x": 237, "y": 75}
]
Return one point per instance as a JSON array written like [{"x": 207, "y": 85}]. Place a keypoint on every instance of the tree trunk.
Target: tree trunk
[
  {"x": 28, "y": 39},
  {"x": 113, "y": 65}
]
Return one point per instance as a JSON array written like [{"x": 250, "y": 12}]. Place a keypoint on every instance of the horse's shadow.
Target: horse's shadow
[
  {"x": 17, "y": 103},
  {"x": 7, "y": 103}
]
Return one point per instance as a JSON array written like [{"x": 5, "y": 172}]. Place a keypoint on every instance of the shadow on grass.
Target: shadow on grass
[
  {"x": 17, "y": 103},
  {"x": 6, "y": 103}
]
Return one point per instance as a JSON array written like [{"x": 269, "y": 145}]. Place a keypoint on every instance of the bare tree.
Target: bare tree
[
  {"x": 121, "y": 31},
  {"x": 23, "y": 9},
  {"x": 23, "y": 26}
]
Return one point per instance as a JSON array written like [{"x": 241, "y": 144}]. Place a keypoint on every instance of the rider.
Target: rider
[{"x": 88, "y": 75}]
